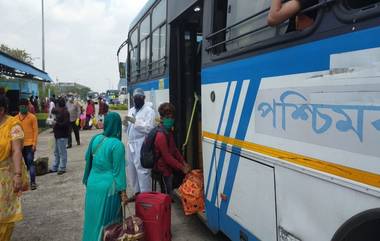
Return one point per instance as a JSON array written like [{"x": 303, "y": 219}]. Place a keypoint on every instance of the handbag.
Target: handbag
[{"x": 131, "y": 229}]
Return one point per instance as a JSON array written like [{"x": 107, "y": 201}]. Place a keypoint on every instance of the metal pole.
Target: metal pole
[{"x": 43, "y": 36}]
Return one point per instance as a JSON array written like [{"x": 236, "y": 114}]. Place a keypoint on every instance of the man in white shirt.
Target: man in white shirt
[{"x": 141, "y": 120}]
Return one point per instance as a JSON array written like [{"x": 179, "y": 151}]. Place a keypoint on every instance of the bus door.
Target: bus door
[{"x": 185, "y": 83}]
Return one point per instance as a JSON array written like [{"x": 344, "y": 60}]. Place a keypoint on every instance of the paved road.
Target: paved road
[{"x": 54, "y": 212}]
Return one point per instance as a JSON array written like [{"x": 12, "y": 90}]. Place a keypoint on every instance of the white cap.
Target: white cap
[{"x": 138, "y": 91}]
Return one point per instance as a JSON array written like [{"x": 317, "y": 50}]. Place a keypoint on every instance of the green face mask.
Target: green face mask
[
  {"x": 168, "y": 123},
  {"x": 23, "y": 109}
]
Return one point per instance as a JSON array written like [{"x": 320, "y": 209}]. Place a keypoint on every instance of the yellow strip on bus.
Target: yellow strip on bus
[{"x": 357, "y": 175}]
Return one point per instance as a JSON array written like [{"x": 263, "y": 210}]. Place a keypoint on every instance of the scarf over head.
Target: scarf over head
[{"x": 112, "y": 125}]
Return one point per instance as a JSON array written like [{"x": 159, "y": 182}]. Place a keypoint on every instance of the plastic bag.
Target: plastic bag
[
  {"x": 94, "y": 121},
  {"x": 50, "y": 121},
  {"x": 77, "y": 122},
  {"x": 191, "y": 192}
]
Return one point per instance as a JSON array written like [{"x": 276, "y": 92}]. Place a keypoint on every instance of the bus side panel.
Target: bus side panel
[
  {"x": 313, "y": 209},
  {"x": 251, "y": 207}
]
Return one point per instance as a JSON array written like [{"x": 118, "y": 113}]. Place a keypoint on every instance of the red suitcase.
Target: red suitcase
[{"x": 155, "y": 211}]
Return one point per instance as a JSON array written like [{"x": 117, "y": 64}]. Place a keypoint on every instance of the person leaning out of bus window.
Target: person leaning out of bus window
[
  {"x": 169, "y": 156},
  {"x": 280, "y": 12}
]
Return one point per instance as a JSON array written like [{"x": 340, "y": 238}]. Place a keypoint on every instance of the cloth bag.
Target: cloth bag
[
  {"x": 131, "y": 229},
  {"x": 191, "y": 192},
  {"x": 42, "y": 165}
]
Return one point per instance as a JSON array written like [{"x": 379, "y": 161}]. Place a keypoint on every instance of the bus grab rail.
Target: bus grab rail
[
  {"x": 196, "y": 99},
  {"x": 237, "y": 37}
]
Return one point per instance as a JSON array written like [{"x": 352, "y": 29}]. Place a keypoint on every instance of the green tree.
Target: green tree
[{"x": 17, "y": 53}]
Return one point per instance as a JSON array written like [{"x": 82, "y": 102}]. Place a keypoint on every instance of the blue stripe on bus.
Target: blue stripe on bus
[
  {"x": 227, "y": 132},
  {"x": 218, "y": 132},
  {"x": 150, "y": 84}
]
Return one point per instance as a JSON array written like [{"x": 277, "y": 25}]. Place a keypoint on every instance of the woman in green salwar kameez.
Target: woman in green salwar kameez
[{"x": 105, "y": 179}]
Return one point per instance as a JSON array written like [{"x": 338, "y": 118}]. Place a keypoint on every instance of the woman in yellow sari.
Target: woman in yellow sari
[{"x": 11, "y": 141}]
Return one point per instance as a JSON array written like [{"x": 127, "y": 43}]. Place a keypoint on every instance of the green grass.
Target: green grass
[{"x": 118, "y": 107}]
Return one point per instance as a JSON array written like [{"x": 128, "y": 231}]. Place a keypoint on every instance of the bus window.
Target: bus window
[
  {"x": 144, "y": 46},
  {"x": 134, "y": 38},
  {"x": 159, "y": 14},
  {"x": 158, "y": 48},
  {"x": 155, "y": 45},
  {"x": 219, "y": 23},
  {"x": 239, "y": 10},
  {"x": 241, "y": 23},
  {"x": 134, "y": 63},
  {"x": 133, "y": 51},
  {"x": 358, "y": 4},
  {"x": 163, "y": 41},
  {"x": 143, "y": 51},
  {"x": 145, "y": 28},
  {"x": 158, "y": 36}
]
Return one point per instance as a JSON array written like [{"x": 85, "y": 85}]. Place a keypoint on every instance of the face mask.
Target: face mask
[
  {"x": 139, "y": 102},
  {"x": 23, "y": 109},
  {"x": 168, "y": 123}
]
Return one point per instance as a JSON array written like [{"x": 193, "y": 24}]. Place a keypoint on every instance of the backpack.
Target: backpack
[{"x": 148, "y": 157}]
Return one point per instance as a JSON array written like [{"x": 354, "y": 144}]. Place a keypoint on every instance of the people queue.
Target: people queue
[{"x": 110, "y": 162}]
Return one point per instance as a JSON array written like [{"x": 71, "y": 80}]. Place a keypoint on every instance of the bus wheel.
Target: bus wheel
[{"x": 363, "y": 226}]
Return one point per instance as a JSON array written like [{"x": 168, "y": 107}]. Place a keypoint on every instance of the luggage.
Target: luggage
[
  {"x": 42, "y": 166},
  {"x": 155, "y": 211},
  {"x": 131, "y": 229},
  {"x": 191, "y": 192}
]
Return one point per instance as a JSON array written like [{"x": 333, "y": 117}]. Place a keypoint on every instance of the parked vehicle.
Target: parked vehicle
[{"x": 289, "y": 128}]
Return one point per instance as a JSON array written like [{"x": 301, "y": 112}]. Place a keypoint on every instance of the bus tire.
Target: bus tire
[{"x": 361, "y": 227}]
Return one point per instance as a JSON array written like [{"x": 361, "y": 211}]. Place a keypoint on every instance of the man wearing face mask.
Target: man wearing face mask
[
  {"x": 140, "y": 120},
  {"x": 30, "y": 127}
]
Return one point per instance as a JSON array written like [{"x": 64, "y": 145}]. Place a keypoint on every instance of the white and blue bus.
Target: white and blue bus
[{"x": 287, "y": 129}]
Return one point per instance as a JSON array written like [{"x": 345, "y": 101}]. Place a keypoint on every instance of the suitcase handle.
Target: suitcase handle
[{"x": 146, "y": 205}]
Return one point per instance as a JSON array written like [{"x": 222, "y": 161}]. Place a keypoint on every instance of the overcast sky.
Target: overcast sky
[{"x": 81, "y": 36}]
